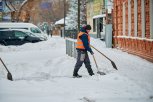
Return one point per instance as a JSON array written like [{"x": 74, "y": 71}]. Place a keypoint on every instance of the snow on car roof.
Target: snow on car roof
[
  {"x": 24, "y": 30},
  {"x": 9, "y": 24}
]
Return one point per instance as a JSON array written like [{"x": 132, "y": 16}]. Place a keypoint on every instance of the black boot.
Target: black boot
[
  {"x": 75, "y": 73},
  {"x": 91, "y": 74},
  {"x": 77, "y": 76},
  {"x": 90, "y": 71}
]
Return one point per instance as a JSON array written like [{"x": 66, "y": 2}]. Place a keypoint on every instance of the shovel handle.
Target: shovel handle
[
  {"x": 4, "y": 65},
  {"x": 95, "y": 61},
  {"x": 100, "y": 53}
]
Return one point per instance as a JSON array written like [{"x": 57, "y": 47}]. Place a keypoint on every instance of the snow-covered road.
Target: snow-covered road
[{"x": 42, "y": 72}]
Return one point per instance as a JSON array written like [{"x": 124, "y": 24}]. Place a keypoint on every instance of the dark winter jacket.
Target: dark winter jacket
[{"x": 84, "y": 38}]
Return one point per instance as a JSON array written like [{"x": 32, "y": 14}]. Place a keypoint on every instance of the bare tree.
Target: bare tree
[
  {"x": 21, "y": 7},
  {"x": 32, "y": 8}
]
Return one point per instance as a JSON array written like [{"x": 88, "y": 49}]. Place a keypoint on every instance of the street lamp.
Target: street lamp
[
  {"x": 64, "y": 15},
  {"x": 78, "y": 15}
]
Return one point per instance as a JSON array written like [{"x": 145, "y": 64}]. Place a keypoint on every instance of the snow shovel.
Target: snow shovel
[
  {"x": 113, "y": 64},
  {"x": 101, "y": 73},
  {"x": 9, "y": 75}
]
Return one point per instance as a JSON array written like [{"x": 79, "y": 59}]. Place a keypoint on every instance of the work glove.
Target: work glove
[{"x": 92, "y": 52}]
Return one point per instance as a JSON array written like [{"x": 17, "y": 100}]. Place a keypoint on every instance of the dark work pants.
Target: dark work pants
[{"x": 82, "y": 57}]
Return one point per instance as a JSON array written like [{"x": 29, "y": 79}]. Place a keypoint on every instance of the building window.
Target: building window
[
  {"x": 143, "y": 18},
  {"x": 101, "y": 24},
  {"x": 94, "y": 25},
  {"x": 135, "y": 18}
]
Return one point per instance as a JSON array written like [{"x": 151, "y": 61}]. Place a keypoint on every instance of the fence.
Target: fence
[
  {"x": 71, "y": 34},
  {"x": 70, "y": 47}
]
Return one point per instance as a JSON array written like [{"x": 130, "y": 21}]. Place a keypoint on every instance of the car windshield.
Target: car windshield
[{"x": 35, "y": 30}]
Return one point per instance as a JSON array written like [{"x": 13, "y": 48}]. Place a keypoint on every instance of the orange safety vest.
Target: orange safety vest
[{"x": 79, "y": 43}]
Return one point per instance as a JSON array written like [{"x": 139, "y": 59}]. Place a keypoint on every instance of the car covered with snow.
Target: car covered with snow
[
  {"x": 17, "y": 37},
  {"x": 28, "y": 26}
]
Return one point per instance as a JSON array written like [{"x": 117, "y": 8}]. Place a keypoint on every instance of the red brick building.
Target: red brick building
[{"x": 133, "y": 27}]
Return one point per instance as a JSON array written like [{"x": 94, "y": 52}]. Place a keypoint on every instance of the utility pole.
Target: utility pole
[
  {"x": 64, "y": 16},
  {"x": 78, "y": 15}
]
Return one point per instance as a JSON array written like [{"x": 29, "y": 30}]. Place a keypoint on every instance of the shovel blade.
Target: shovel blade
[
  {"x": 9, "y": 76},
  {"x": 114, "y": 66},
  {"x": 101, "y": 73}
]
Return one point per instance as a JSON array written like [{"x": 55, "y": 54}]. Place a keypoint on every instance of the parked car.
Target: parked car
[
  {"x": 28, "y": 26},
  {"x": 17, "y": 37}
]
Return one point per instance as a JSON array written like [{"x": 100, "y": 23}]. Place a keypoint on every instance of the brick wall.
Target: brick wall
[
  {"x": 142, "y": 47},
  {"x": 147, "y": 6}
]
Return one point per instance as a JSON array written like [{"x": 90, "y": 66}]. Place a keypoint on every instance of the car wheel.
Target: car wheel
[
  {"x": 34, "y": 41},
  {"x": 3, "y": 43}
]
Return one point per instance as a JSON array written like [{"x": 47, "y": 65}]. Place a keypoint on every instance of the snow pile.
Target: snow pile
[{"x": 42, "y": 72}]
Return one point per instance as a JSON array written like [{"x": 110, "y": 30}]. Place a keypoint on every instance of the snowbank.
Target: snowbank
[{"x": 42, "y": 72}]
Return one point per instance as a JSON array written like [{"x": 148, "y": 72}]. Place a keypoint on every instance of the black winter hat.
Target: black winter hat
[{"x": 88, "y": 27}]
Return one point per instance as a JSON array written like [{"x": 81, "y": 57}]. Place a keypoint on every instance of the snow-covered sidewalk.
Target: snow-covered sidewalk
[{"x": 42, "y": 72}]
